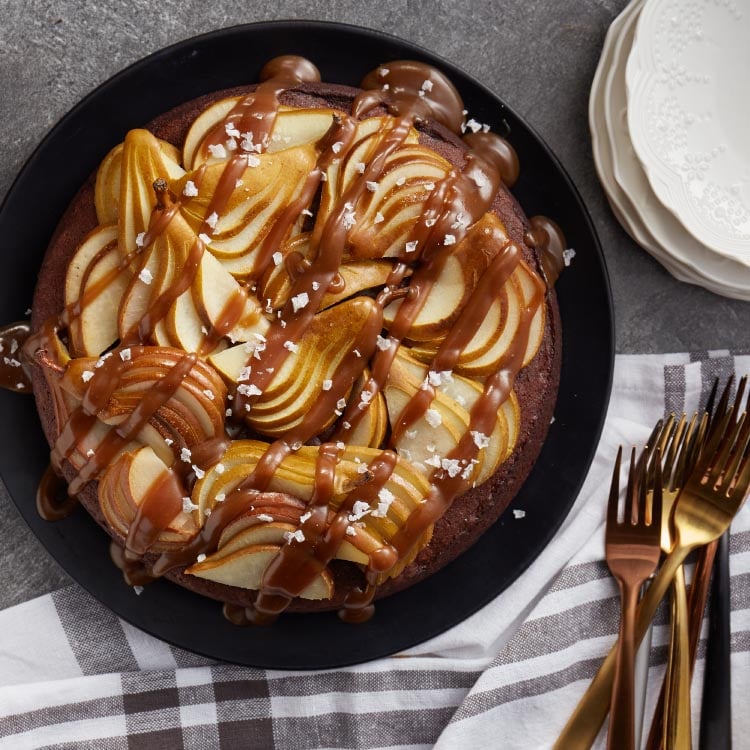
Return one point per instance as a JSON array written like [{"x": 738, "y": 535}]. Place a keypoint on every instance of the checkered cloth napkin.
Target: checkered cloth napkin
[{"x": 72, "y": 675}]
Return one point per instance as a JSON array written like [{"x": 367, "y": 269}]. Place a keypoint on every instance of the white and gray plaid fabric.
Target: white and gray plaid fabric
[{"x": 72, "y": 675}]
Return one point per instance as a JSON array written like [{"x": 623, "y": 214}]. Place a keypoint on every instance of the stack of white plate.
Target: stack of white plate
[{"x": 670, "y": 122}]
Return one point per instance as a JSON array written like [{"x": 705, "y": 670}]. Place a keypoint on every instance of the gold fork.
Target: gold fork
[
  {"x": 679, "y": 443},
  {"x": 632, "y": 552},
  {"x": 705, "y": 508},
  {"x": 682, "y": 443}
]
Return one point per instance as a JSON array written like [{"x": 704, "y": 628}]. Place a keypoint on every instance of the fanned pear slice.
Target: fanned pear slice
[
  {"x": 253, "y": 531},
  {"x": 502, "y": 327},
  {"x": 333, "y": 335},
  {"x": 246, "y": 567},
  {"x": 211, "y": 298},
  {"x": 193, "y": 414},
  {"x": 143, "y": 161},
  {"x": 256, "y": 203},
  {"x": 126, "y": 484},
  {"x": 372, "y": 426},
  {"x": 293, "y": 127},
  {"x": 430, "y": 440},
  {"x": 394, "y": 200},
  {"x": 352, "y": 278},
  {"x": 94, "y": 276},
  {"x": 403, "y": 491},
  {"x": 107, "y": 189},
  {"x": 456, "y": 282}
]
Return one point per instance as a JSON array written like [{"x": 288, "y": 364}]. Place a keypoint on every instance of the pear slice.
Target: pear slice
[
  {"x": 207, "y": 303},
  {"x": 271, "y": 502},
  {"x": 373, "y": 424},
  {"x": 125, "y": 485},
  {"x": 254, "y": 207},
  {"x": 299, "y": 383},
  {"x": 404, "y": 490},
  {"x": 213, "y": 291},
  {"x": 436, "y": 434},
  {"x": 353, "y": 277},
  {"x": 455, "y": 284},
  {"x": 399, "y": 194},
  {"x": 492, "y": 342},
  {"x": 107, "y": 189},
  {"x": 246, "y": 567},
  {"x": 293, "y": 127},
  {"x": 258, "y": 533},
  {"x": 142, "y": 162},
  {"x": 255, "y": 532},
  {"x": 94, "y": 268}
]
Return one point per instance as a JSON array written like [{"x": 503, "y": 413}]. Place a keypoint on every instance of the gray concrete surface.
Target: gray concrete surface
[{"x": 538, "y": 55}]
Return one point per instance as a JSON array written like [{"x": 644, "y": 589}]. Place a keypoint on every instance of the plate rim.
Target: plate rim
[{"x": 589, "y": 229}]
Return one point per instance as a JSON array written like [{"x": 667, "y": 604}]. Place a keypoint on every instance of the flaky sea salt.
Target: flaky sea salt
[{"x": 433, "y": 418}]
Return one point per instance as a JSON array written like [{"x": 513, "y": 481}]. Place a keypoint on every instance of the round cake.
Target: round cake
[{"x": 296, "y": 345}]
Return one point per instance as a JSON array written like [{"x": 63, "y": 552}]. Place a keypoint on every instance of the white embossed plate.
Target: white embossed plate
[
  {"x": 688, "y": 115},
  {"x": 630, "y": 195}
]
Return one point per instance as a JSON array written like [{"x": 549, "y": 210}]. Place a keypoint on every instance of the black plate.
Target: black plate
[{"x": 230, "y": 57}]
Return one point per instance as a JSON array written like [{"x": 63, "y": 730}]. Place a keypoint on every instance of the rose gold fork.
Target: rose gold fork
[
  {"x": 632, "y": 551},
  {"x": 709, "y": 501}
]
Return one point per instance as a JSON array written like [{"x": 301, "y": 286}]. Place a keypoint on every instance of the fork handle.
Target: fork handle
[
  {"x": 677, "y": 730},
  {"x": 622, "y": 707},
  {"x": 698, "y": 596},
  {"x": 583, "y": 726},
  {"x": 716, "y": 710}
]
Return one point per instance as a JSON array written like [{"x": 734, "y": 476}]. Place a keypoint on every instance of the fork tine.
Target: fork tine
[
  {"x": 675, "y": 447},
  {"x": 631, "y": 493},
  {"x": 614, "y": 492},
  {"x": 724, "y": 400},
  {"x": 677, "y": 469},
  {"x": 658, "y": 439},
  {"x": 726, "y": 449},
  {"x": 711, "y": 400},
  {"x": 656, "y": 495},
  {"x": 741, "y": 482},
  {"x": 722, "y": 426},
  {"x": 738, "y": 452}
]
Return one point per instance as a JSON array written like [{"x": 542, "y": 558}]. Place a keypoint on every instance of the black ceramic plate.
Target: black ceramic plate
[{"x": 231, "y": 57}]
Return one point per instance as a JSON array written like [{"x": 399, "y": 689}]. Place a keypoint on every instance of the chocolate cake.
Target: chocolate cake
[{"x": 296, "y": 345}]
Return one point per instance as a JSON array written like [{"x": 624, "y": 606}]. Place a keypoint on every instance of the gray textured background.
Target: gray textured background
[{"x": 538, "y": 55}]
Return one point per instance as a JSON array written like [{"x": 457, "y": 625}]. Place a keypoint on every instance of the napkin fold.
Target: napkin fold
[{"x": 73, "y": 675}]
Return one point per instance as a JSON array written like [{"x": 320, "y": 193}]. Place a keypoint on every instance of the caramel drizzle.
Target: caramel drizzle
[{"x": 15, "y": 373}]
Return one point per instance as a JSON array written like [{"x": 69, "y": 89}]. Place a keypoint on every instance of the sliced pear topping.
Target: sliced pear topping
[
  {"x": 429, "y": 441},
  {"x": 372, "y": 426},
  {"x": 499, "y": 331},
  {"x": 256, "y": 203},
  {"x": 143, "y": 161},
  {"x": 108, "y": 177},
  {"x": 246, "y": 567},
  {"x": 307, "y": 373},
  {"x": 93, "y": 275},
  {"x": 402, "y": 493},
  {"x": 127, "y": 483},
  {"x": 388, "y": 210},
  {"x": 293, "y": 127},
  {"x": 353, "y": 277},
  {"x": 456, "y": 282},
  {"x": 211, "y": 304},
  {"x": 193, "y": 414}
]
